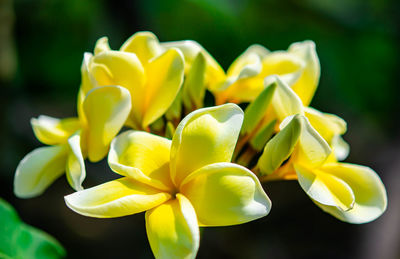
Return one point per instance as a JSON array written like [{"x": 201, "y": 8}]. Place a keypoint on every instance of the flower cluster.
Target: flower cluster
[{"x": 189, "y": 166}]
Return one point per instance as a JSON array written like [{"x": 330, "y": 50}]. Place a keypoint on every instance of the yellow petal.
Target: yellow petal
[
  {"x": 246, "y": 65},
  {"x": 204, "y": 137},
  {"x": 172, "y": 229},
  {"x": 307, "y": 84},
  {"x": 190, "y": 50},
  {"x": 340, "y": 147},
  {"x": 118, "y": 68},
  {"x": 88, "y": 81},
  {"x": 38, "y": 169},
  {"x": 312, "y": 150},
  {"x": 369, "y": 192},
  {"x": 101, "y": 45},
  {"x": 116, "y": 198},
  {"x": 52, "y": 131},
  {"x": 225, "y": 194},
  {"x": 327, "y": 125},
  {"x": 142, "y": 156},
  {"x": 106, "y": 110},
  {"x": 280, "y": 63},
  {"x": 144, "y": 44},
  {"x": 164, "y": 79},
  {"x": 284, "y": 102},
  {"x": 236, "y": 90},
  {"x": 241, "y": 83},
  {"x": 75, "y": 168},
  {"x": 326, "y": 188}
]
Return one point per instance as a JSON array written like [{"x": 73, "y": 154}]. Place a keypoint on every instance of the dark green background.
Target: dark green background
[{"x": 41, "y": 49}]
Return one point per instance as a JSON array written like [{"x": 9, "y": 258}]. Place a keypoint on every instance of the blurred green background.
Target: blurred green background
[{"x": 41, "y": 50}]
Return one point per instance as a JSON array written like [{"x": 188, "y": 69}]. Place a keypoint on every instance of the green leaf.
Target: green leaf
[
  {"x": 281, "y": 146},
  {"x": 19, "y": 240},
  {"x": 257, "y": 109}
]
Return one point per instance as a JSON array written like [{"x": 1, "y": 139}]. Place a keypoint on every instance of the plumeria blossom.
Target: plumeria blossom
[
  {"x": 181, "y": 184},
  {"x": 152, "y": 75},
  {"x": 349, "y": 192},
  {"x": 104, "y": 112},
  {"x": 278, "y": 101},
  {"x": 244, "y": 80}
]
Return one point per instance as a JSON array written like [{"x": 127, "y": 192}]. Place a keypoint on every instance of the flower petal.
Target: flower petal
[
  {"x": 256, "y": 110},
  {"x": 172, "y": 229},
  {"x": 106, "y": 110},
  {"x": 369, "y": 192},
  {"x": 190, "y": 50},
  {"x": 118, "y": 68},
  {"x": 164, "y": 79},
  {"x": 281, "y": 146},
  {"x": 88, "y": 81},
  {"x": 101, "y": 45},
  {"x": 340, "y": 147},
  {"x": 225, "y": 194},
  {"x": 325, "y": 188},
  {"x": 307, "y": 84},
  {"x": 144, "y": 44},
  {"x": 284, "y": 102},
  {"x": 327, "y": 125},
  {"x": 247, "y": 64},
  {"x": 75, "y": 168},
  {"x": 116, "y": 198},
  {"x": 194, "y": 87},
  {"x": 312, "y": 150},
  {"x": 38, "y": 169},
  {"x": 52, "y": 131},
  {"x": 280, "y": 63},
  {"x": 203, "y": 137},
  {"x": 142, "y": 156}
]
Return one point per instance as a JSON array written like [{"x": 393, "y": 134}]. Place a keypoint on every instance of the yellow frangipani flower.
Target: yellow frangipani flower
[
  {"x": 278, "y": 101},
  {"x": 182, "y": 184},
  {"x": 105, "y": 110},
  {"x": 349, "y": 192},
  {"x": 151, "y": 74},
  {"x": 244, "y": 80}
]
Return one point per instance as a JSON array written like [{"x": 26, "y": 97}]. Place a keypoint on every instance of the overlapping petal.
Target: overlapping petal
[
  {"x": 190, "y": 50},
  {"x": 116, "y": 198},
  {"x": 142, "y": 156},
  {"x": 106, "y": 110},
  {"x": 101, "y": 45},
  {"x": 326, "y": 188},
  {"x": 284, "y": 102},
  {"x": 312, "y": 150},
  {"x": 327, "y": 125},
  {"x": 144, "y": 44},
  {"x": 38, "y": 169},
  {"x": 369, "y": 193},
  {"x": 307, "y": 84},
  {"x": 53, "y": 131},
  {"x": 117, "y": 68},
  {"x": 172, "y": 229},
  {"x": 75, "y": 167},
  {"x": 204, "y": 137},
  {"x": 281, "y": 63},
  {"x": 164, "y": 79},
  {"x": 225, "y": 194}
]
